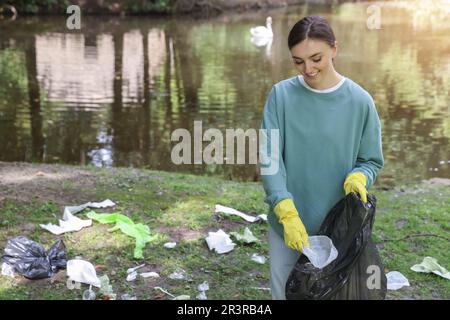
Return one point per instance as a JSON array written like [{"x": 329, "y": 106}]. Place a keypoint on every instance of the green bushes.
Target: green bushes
[
  {"x": 106, "y": 6},
  {"x": 37, "y": 6}
]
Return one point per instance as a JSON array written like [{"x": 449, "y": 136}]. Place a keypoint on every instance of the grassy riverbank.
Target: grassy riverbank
[{"x": 180, "y": 207}]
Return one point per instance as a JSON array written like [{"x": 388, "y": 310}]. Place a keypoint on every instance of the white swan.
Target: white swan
[
  {"x": 263, "y": 32},
  {"x": 260, "y": 41}
]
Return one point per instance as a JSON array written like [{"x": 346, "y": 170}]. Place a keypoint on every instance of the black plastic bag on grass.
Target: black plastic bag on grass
[
  {"x": 358, "y": 272},
  {"x": 30, "y": 259}
]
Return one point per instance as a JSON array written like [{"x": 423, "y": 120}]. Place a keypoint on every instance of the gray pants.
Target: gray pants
[{"x": 282, "y": 260}]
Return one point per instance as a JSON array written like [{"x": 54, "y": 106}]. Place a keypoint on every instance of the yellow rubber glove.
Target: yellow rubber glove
[
  {"x": 356, "y": 182},
  {"x": 295, "y": 235}
]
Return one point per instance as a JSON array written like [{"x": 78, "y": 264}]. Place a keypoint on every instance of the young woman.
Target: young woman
[{"x": 329, "y": 144}]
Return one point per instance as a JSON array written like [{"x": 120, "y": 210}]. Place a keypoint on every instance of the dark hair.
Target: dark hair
[{"x": 312, "y": 27}]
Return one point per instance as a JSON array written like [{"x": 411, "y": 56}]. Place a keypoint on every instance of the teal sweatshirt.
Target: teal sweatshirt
[{"x": 322, "y": 138}]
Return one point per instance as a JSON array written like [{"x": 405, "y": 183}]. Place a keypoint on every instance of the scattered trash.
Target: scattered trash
[
  {"x": 106, "y": 289},
  {"x": 231, "y": 211},
  {"x": 140, "y": 232},
  {"x": 71, "y": 223},
  {"x": 430, "y": 264},
  {"x": 30, "y": 259},
  {"x": 97, "y": 205},
  {"x": 395, "y": 280},
  {"x": 220, "y": 242},
  {"x": 40, "y": 174},
  {"x": 161, "y": 289},
  {"x": 201, "y": 296},
  {"x": 89, "y": 294},
  {"x": 203, "y": 287},
  {"x": 247, "y": 237},
  {"x": 82, "y": 271},
  {"x": 182, "y": 297},
  {"x": 131, "y": 270},
  {"x": 258, "y": 259},
  {"x": 321, "y": 251},
  {"x": 8, "y": 270},
  {"x": 126, "y": 296},
  {"x": 260, "y": 288},
  {"x": 170, "y": 245},
  {"x": 132, "y": 276},
  {"x": 71, "y": 285},
  {"x": 178, "y": 275},
  {"x": 149, "y": 275},
  {"x": 68, "y": 224}
]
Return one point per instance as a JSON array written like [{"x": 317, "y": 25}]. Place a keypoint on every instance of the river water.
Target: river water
[{"x": 112, "y": 93}]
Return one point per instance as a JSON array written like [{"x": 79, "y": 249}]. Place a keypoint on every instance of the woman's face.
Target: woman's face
[{"x": 313, "y": 59}]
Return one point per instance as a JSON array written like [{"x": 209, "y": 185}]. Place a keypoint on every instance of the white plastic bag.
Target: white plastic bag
[
  {"x": 82, "y": 271},
  {"x": 395, "y": 280},
  {"x": 220, "y": 242}
]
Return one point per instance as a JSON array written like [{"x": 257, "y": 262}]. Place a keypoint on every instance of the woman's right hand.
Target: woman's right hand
[{"x": 295, "y": 235}]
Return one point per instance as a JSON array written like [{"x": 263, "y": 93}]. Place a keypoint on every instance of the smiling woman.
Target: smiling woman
[
  {"x": 313, "y": 47},
  {"x": 330, "y": 145}
]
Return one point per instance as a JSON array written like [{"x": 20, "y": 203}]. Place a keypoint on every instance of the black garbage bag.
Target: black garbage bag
[
  {"x": 358, "y": 272},
  {"x": 30, "y": 259}
]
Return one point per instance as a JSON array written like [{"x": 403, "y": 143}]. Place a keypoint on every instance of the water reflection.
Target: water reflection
[
  {"x": 111, "y": 94},
  {"x": 75, "y": 70}
]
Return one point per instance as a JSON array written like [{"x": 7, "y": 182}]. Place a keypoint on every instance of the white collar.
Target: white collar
[{"x": 303, "y": 82}]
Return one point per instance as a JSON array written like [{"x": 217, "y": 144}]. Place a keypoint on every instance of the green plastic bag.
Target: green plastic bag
[{"x": 140, "y": 232}]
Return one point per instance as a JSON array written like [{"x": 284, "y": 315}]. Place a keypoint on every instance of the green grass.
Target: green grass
[
  {"x": 180, "y": 207},
  {"x": 424, "y": 212}
]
